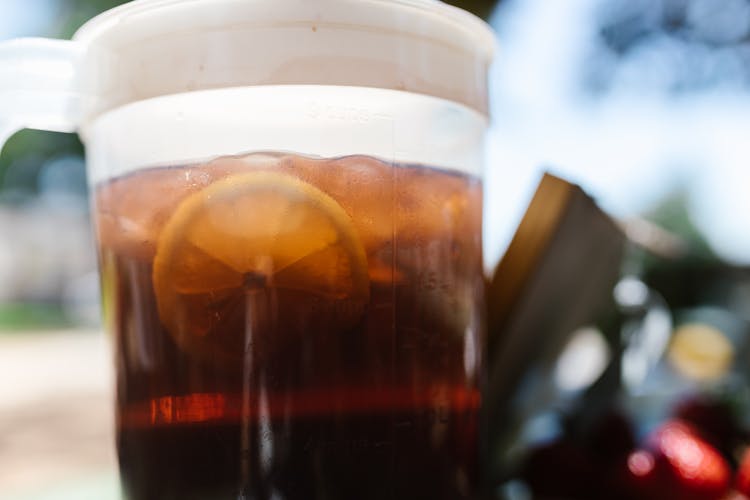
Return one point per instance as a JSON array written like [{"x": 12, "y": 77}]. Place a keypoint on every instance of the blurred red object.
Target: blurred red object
[
  {"x": 686, "y": 466},
  {"x": 714, "y": 420},
  {"x": 742, "y": 481}
]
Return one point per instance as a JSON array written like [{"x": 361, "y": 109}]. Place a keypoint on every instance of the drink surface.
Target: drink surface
[{"x": 294, "y": 327}]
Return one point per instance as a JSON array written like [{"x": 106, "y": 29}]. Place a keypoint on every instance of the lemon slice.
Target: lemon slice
[{"x": 260, "y": 244}]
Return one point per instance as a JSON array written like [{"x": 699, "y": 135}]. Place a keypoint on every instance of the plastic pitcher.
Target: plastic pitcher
[{"x": 287, "y": 201}]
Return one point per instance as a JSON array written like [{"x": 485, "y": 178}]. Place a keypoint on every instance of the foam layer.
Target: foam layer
[{"x": 315, "y": 120}]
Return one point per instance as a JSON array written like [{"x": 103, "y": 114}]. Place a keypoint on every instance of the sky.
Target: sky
[
  {"x": 25, "y": 17},
  {"x": 630, "y": 148}
]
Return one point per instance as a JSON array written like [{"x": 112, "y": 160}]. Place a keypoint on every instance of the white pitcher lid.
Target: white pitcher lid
[{"x": 151, "y": 48}]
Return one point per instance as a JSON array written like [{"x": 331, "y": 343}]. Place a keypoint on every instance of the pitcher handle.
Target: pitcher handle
[{"x": 40, "y": 85}]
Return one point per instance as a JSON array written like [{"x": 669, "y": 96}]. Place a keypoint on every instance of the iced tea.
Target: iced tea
[{"x": 289, "y": 327}]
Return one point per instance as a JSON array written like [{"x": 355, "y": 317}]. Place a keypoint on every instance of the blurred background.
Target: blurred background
[{"x": 644, "y": 103}]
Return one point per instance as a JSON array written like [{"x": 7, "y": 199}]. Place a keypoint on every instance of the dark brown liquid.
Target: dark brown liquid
[{"x": 298, "y": 403}]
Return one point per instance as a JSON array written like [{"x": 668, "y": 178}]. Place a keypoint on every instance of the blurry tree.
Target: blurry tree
[
  {"x": 672, "y": 214},
  {"x": 24, "y": 156},
  {"x": 76, "y": 12},
  {"x": 482, "y": 8}
]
